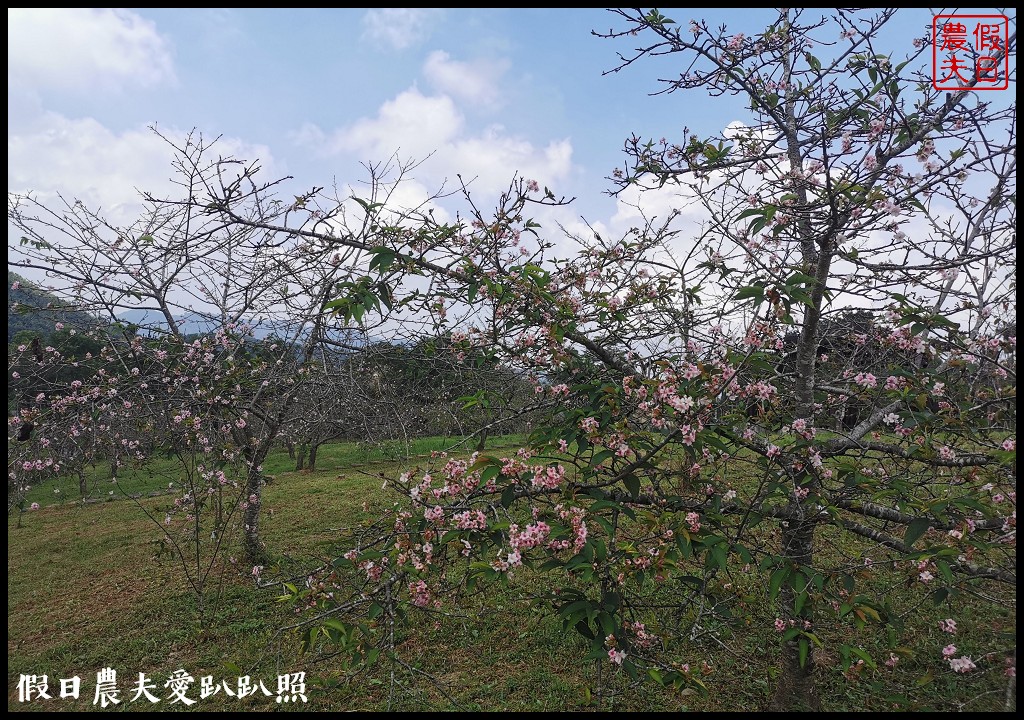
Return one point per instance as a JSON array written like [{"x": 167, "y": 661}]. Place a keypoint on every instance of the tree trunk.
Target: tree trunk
[
  {"x": 300, "y": 457},
  {"x": 291, "y": 450},
  {"x": 313, "y": 447},
  {"x": 796, "y": 688},
  {"x": 253, "y": 547}
]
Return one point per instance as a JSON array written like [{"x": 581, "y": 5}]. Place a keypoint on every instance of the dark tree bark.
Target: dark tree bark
[{"x": 313, "y": 448}]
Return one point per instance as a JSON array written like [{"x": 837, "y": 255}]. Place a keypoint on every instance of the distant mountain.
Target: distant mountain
[
  {"x": 195, "y": 323},
  {"x": 34, "y": 310},
  {"x": 189, "y": 323}
]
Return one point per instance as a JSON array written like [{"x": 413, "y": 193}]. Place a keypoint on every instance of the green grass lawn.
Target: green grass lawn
[{"x": 87, "y": 589}]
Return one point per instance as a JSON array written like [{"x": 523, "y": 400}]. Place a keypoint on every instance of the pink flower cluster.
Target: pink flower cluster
[
  {"x": 693, "y": 521},
  {"x": 574, "y": 517},
  {"x": 641, "y": 637},
  {"x": 961, "y": 664},
  {"x": 549, "y": 477},
  {"x": 420, "y": 593},
  {"x": 803, "y": 429},
  {"x": 895, "y": 382},
  {"x": 532, "y": 535},
  {"x": 866, "y": 380},
  {"x": 470, "y": 520}
]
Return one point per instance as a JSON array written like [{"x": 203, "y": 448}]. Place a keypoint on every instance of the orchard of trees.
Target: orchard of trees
[{"x": 817, "y": 388}]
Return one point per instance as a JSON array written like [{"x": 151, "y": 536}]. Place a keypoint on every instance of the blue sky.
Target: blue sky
[{"x": 313, "y": 93}]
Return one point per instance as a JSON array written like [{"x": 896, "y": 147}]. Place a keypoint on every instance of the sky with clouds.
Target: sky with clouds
[{"x": 486, "y": 93}]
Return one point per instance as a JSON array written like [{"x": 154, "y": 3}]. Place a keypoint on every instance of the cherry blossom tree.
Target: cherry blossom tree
[
  {"x": 184, "y": 273},
  {"x": 686, "y": 428},
  {"x": 687, "y": 447},
  {"x": 855, "y": 179}
]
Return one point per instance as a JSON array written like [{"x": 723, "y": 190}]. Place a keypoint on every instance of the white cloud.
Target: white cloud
[
  {"x": 493, "y": 156},
  {"x": 412, "y": 123},
  {"x": 399, "y": 28},
  {"x": 82, "y": 159},
  {"x": 477, "y": 82},
  {"x": 85, "y": 50},
  {"x": 412, "y": 196},
  {"x": 309, "y": 134},
  {"x": 415, "y": 126},
  {"x": 635, "y": 206}
]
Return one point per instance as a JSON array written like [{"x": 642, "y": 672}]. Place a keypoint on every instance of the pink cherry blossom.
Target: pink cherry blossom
[{"x": 962, "y": 664}]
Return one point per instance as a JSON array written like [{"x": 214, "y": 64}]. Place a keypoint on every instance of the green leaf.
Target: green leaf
[
  {"x": 799, "y": 601},
  {"x": 750, "y": 291},
  {"x": 863, "y": 655},
  {"x": 870, "y": 612},
  {"x": 382, "y": 259},
  {"x": 600, "y": 457},
  {"x": 916, "y": 528},
  {"x": 799, "y": 278},
  {"x": 632, "y": 483},
  {"x": 776, "y": 580},
  {"x": 583, "y": 628},
  {"x": 335, "y": 624},
  {"x": 800, "y": 296},
  {"x": 508, "y": 496}
]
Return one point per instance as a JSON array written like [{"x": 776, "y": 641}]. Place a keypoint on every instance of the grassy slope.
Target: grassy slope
[{"x": 86, "y": 590}]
